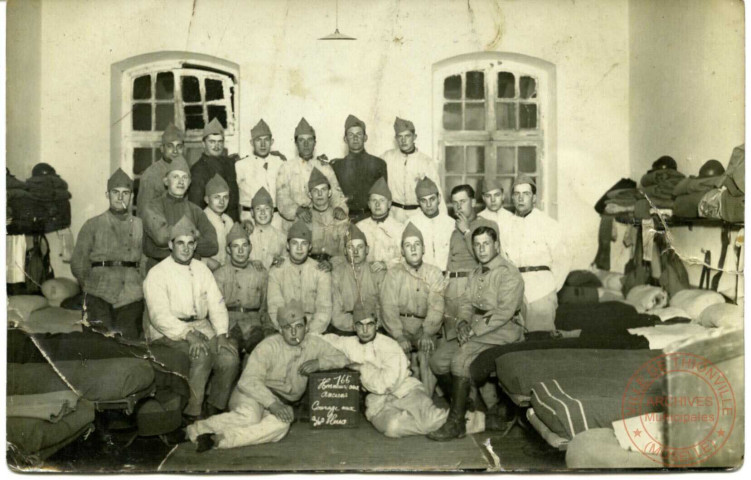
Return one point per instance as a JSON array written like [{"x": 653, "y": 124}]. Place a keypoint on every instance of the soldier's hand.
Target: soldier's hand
[
  {"x": 311, "y": 366},
  {"x": 323, "y": 158},
  {"x": 339, "y": 213},
  {"x": 426, "y": 344},
  {"x": 282, "y": 412},
  {"x": 303, "y": 213},
  {"x": 462, "y": 332},
  {"x": 462, "y": 224},
  {"x": 197, "y": 344},
  {"x": 406, "y": 346},
  {"x": 325, "y": 266},
  {"x": 278, "y": 261},
  {"x": 223, "y": 342},
  {"x": 248, "y": 227},
  {"x": 257, "y": 265},
  {"x": 377, "y": 266},
  {"x": 212, "y": 264}
]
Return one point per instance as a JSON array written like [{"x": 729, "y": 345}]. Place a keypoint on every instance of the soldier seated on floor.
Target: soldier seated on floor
[{"x": 274, "y": 380}]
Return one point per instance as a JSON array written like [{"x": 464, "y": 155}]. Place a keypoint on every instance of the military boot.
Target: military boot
[{"x": 455, "y": 426}]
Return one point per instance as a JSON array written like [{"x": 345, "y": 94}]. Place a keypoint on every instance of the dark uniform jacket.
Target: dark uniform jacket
[
  {"x": 356, "y": 173},
  {"x": 203, "y": 170}
]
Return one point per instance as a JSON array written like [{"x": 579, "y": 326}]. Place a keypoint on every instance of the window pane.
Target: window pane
[
  {"x": 452, "y": 87},
  {"x": 506, "y": 183},
  {"x": 165, "y": 86},
  {"x": 506, "y": 85},
  {"x": 219, "y": 112},
  {"x": 142, "y": 117},
  {"x": 527, "y": 87},
  {"x": 142, "y": 158},
  {"x": 214, "y": 89},
  {"x": 191, "y": 89},
  {"x": 475, "y": 159},
  {"x": 455, "y": 159},
  {"x": 527, "y": 115},
  {"x": 142, "y": 88},
  {"x": 452, "y": 116},
  {"x": 505, "y": 116},
  {"x": 475, "y": 86},
  {"x": 165, "y": 113},
  {"x": 528, "y": 159},
  {"x": 475, "y": 116},
  {"x": 194, "y": 117},
  {"x": 452, "y": 181},
  {"x": 506, "y": 161},
  {"x": 476, "y": 182}
]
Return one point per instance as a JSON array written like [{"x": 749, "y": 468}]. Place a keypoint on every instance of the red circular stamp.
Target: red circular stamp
[{"x": 678, "y": 409}]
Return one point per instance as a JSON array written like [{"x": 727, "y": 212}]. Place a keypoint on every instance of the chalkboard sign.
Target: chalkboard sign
[{"x": 334, "y": 399}]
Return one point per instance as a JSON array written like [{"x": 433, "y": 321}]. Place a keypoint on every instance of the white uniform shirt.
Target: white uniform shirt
[
  {"x": 537, "y": 241},
  {"x": 383, "y": 366},
  {"x": 405, "y": 171},
  {"x": 174, "y": 291},
  {"x": 384, "y": 239},
  {"x": 222, "y": 225},
  {"x": 252, "y": 174},
  {"x": 436, "y": 234},
  {"x": 505, "y": 221},
  {"x": 292, "y": 186}
]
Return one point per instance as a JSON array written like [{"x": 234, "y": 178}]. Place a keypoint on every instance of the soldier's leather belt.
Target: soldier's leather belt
[
  {"x": 189, "y": 319},
  {"x": 115, "y": 264},
  {"x": 320, "y": 257},
  {"x": 479, "y": 311},
  {"x": 538, "y": 268},
  {"x": 458, "y": 274},
  {"x": 409, "y": 315},
  {"x": 243, "y": 309},
  {"x": 405, "y": 207}
]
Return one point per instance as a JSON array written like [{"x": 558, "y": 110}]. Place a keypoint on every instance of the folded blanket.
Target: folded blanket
[
  {"x": 660, "y": 183},
  {"x": 50, "y": 406},
  {"x": 661, "y": 336},
  {"x": 721, "y": 315},
  {"x": 613, "y": 208},
  {"x": 623, "y": 183},
  {"x": 687, "y": 205},
  {"x": 49, "y": 195},
  {"x": 49, "y": 182},
  {"x": 646, "y": 298},
  {"x": 695, "y": 300},
  {"x": 693, "y": 184}
]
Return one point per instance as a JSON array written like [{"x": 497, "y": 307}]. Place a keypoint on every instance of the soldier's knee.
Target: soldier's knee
[
  {"x": 392, "y": 428},
  {"x": 440, "y": 363},
  {"x": 226, "y": 360}
]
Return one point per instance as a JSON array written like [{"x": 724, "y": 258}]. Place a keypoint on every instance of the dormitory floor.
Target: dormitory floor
[{"x": 308, "y": 449}]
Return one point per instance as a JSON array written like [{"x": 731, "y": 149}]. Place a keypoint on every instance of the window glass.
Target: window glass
[
  {"x": 452, "y": 87},
  {"x": 506, "y": 85},
  {"x": 505, "y": 116},
  {"x": 505, "y": 156},
  {"x": 527, "y": 115},
  {"x": 214, "y": 89},
  {"x": 452, "y": 116},
  {"x": 455, "y": 159},
  {"x": 165, "y": 86},
  {"x": 219, "y": 112},
  {"x": 527, "y": 87},
  {"x": 142, "y": 117},
  {"x": 194, "y": 117},
  {"x": 475, "y": 159},
  {"x": 528, "y": 159},
  {"x": 142, "y": 158},
  {"x": 142, "y": 88},
  {"x": 475, "y": 86},
  {"x": 475, "y": 116},
  {"x": 191, "y": 89},
  {"x": 165, "y": 113}
]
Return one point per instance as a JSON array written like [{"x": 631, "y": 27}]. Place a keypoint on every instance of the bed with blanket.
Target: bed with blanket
[{"x": 52, "y": 352}]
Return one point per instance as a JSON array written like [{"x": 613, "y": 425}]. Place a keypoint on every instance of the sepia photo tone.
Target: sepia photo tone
[{"x": 375, "y": 235}]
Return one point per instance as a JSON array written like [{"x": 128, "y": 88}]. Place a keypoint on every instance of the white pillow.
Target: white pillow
[
  {"x": 695, "y": 300},
  {"x": 58, "y": 289},
  {"x": 647, "y": 297},
  {"x": 721, "y": 315}
]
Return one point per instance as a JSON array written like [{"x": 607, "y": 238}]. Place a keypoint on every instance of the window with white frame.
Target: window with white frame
[
  {"x": 494, "y": 118},
  {"x": 172, "y": 87}
]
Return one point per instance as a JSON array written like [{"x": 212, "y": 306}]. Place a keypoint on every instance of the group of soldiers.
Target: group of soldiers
[{"x": 291, "y": 266}]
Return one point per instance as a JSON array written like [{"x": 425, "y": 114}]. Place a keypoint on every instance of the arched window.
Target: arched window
[
  {"x": 494, "y": 116},
  {"x": 152, "y": 90}
]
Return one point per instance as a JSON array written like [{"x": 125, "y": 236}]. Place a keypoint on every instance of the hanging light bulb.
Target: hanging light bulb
[{"x": 337, "y": 35}]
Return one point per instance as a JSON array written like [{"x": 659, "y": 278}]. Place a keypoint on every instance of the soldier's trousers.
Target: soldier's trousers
[{"x": 413, "y": 414}]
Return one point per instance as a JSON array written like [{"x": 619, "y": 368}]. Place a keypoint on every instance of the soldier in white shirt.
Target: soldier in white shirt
[
  {"x": 383, "y": 232},
  {"x": 436, "y": 226},
  {"x": 538, "y": 251},
  {"x": 406, "y": 166},
  {"x": 493, "y": 195},
  {"x": 259, "y": 170},
  {"x": 187, "y": 313}
]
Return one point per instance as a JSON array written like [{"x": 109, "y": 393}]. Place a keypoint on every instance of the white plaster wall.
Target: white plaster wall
[
  {"x": 687, "y": 96},
  {"x": 286, "y": 73}
]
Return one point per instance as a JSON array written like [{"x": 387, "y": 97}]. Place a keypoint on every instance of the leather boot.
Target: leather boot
[
  {"x": 455, "y": 426},
  {"x": 444, "y": 381}
]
